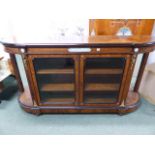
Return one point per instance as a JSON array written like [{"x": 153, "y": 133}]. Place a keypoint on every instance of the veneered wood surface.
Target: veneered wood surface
[
  {"x": 16, "y": 72},
  {"x": 55, "y": 71},
  {"x": 59, "y": 100},
  {"x": 101, "y": 87},
  {"x": 90, "y": 41},
  {"x": 112, "y": 26},
  {"x": 132, "y": 97},
  {"x": 104, "y": 71},
  {"x": 27, "y": 104},
  {"x": 58, "y": 87}
]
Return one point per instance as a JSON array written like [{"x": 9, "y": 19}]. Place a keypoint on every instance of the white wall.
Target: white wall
[{"x": 33, "y": 29}]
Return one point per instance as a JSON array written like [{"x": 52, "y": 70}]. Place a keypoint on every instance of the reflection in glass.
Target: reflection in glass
[
  {"x": 103, "y": 78},
  {"x": 55, "y": 79}
]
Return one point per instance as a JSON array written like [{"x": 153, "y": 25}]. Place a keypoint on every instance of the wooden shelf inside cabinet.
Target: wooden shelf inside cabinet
[
  {"x": 55, "y": 71},
  {"x": 59, "y": 100},
  {"x": 100, "y": 100},
  {"x": 104, "y": 71},
  {"x": 101, "y": 87},
  {"x": 58, "y": 87}
]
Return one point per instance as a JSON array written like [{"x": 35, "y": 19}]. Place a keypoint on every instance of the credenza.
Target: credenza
[{"x": 87, "y": 75}]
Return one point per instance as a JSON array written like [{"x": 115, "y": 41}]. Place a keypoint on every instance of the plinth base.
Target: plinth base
[{"x": 131, "y": 104}]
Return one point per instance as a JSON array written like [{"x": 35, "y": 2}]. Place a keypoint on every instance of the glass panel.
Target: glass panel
[
  {"x": 103, "y": 78},
  {"x": 55, "y": 78}
]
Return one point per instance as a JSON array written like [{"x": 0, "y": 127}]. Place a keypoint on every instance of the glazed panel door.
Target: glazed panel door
[
  {"x": 55, "y": 78},
  {"x": 102, "y": 78}
]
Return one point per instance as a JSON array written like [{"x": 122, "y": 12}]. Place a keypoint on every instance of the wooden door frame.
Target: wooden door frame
[
  {"x": 76, "y": 83},
  {"x": 123, "y": 82}
]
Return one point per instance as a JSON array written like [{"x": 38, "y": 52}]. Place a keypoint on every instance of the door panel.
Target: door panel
[
  {"x": 102, "y": 77},
  {"x": 56, "y": 79},
  {"x": 87, "y": 80}
]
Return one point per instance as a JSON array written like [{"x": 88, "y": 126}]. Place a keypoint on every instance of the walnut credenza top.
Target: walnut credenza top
[
  {"x": 81, "y": 75},
  {"x": 145, "y": 43}
]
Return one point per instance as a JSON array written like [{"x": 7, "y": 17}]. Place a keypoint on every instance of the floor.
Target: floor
[{"x": 13, "y": 120}]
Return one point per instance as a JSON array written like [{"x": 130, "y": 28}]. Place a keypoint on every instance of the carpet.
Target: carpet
[{"x": 14, "y": 121}]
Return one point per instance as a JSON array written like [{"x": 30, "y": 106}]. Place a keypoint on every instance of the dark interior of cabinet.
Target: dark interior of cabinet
[
  {"x": 103, "y": 77},
  {"x": 55, "y": 79}
]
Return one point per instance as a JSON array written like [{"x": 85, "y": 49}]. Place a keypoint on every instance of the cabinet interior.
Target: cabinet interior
[{"x": 56, "y": 78}]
